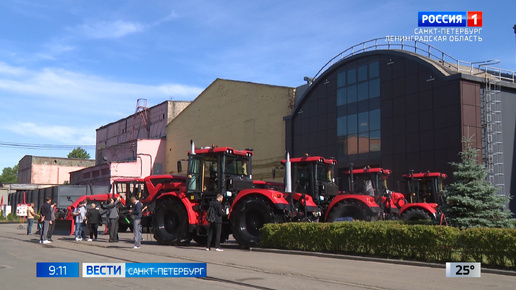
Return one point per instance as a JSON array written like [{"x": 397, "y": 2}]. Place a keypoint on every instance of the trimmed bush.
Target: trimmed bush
[{"x": 395, "y": 239}]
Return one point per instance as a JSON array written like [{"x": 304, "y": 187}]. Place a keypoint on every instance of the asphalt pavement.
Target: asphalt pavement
[{"x": 234, "y": 268}]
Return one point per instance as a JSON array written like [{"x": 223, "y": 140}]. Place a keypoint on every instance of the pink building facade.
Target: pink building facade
[
  {"x": 133, "y": 147},
  {"x": 146, "y": 123},
  {"x": 141, "y": 158},
  {"x": 49, "y": 170}
]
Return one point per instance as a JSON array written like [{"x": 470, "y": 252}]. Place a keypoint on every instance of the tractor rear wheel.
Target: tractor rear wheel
[
  {"x": 248, "y": 216},
  {"x": 170, "y": 223},
  {"x": 416, "y": 214},
  {"x": 350, "y": 209}
]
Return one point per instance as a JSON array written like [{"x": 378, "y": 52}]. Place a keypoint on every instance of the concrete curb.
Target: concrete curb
[{"x": 374, "y": 259}]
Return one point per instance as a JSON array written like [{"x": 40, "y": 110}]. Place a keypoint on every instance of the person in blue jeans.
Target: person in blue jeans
[
  {"x": 80, "y": 215},
  {"x": 45, "y": 220},
  {"x": 31, "y": 215}
]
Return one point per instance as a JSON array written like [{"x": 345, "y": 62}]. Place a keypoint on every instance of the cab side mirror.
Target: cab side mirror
[{"x": 179, "y": 167}]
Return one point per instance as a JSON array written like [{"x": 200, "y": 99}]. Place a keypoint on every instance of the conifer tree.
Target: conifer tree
[
  {"x": 471, "y": 200},
  {"x": 79, "y": 153}
]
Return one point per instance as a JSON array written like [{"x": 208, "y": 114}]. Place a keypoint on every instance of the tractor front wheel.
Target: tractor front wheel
[
  {"x": 416, "y": 214},
  {"x": 350, "y": 210},
  {"x": 248, "y": 217},
  {"x": 170, "y": 223}
]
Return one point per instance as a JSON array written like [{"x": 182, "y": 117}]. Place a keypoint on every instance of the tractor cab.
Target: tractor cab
[
  {"x": 129, "y": 187},
  {"x": 425, "y": 187},
  {"x": 314, "y": 176},
  {"x": 215, "y": 170},
  {"x": 373, "y": 182},
  {"x": 367, "y": 181}
]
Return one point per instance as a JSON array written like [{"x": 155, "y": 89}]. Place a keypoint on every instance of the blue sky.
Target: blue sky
[{"x": 68, "y": 67}]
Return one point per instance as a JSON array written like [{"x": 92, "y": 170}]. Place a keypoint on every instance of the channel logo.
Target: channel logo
[
  {"x": 141, "y": 270},
  {"x": 103, "y": 270},
  {"x": 450, "y": 19}
]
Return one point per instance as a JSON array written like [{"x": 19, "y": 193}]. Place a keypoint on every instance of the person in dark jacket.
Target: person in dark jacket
[
  {"x": 46, "y": 216},
  {"x": 217, "y": 225},
  {"x": 53, "y": 221},
  {"x": 93, "y": 220},
  {"x": 113, "y": 219},
  {"x": 137, "y": 223}
]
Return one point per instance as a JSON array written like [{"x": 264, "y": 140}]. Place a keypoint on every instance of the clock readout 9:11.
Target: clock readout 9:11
[{"x": 70, "y": 270}]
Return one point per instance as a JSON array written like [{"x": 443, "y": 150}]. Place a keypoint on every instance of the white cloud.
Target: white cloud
[
  {"x": 65, "y": 134},
  {"x": 8, "y": 70},
  {"x": 172, "y": 15},
  {"x": 55, "y": 84},
  {"x": 114, "y": 29},
  {"x": 53, "y": 50}
]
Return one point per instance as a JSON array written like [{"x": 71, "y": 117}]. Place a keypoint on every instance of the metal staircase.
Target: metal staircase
[{"x": 492, "y": 135}]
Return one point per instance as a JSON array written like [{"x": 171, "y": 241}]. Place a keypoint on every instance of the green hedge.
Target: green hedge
[{"x": 496, "y": 247}]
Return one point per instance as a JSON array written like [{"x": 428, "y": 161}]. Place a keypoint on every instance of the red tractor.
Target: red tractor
[
  {"x": 177, "y": 205},
  {"x": 314, "y": 176},
  {"x": 425, "y": 195},
  {"x": 66, "y": 221},
  {"x": 367, "y": 197}
]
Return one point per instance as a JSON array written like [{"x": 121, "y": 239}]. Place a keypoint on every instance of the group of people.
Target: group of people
[
  {"x": 86, "y": 221},
  {"x": 46, "y": 220},
  {"x": 90, "y": 219}
]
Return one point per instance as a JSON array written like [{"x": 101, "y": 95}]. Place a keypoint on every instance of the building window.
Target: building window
[
  {"x": 351, "y": 95},
  {"x": 341, "y": 79},
  {"x": 362, "y": 73},
  {"x": 358, "y": 117},
  {"x": 352, "y": 76}
]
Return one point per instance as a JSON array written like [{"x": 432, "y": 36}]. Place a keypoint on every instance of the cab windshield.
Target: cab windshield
[
  {"x": 236, "y": 165},
  {"x": 129, "y": 189},
  {"x": 325, "y": 172}
]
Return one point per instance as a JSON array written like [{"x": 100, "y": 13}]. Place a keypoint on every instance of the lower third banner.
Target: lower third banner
[{"x": 143, "y": 270}]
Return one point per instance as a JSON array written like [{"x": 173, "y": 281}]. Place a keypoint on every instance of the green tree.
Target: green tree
[
  {"x": 79, "y": 153},
  {"x": 9, "y": 175},
  {"x": 471, "y": 200}
]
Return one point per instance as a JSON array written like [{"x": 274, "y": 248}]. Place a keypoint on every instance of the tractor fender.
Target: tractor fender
[
  {"x": 274, "y": 197},
  {"x": 193, "y": 216},
  {"x": 309, "y": 200},
  {"x": 398, "y": 199},
  {"x": 428, "y": 207},
  {"x": 366, "y": 200}
]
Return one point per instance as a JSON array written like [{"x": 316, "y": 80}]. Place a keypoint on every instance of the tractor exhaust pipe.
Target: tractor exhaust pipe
[
  {"x": 352, "y": 182},
  {"x": 192, "y": 149},
  {"x": 288, "y": 175},
  {"x": 288, "y": 185}
]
